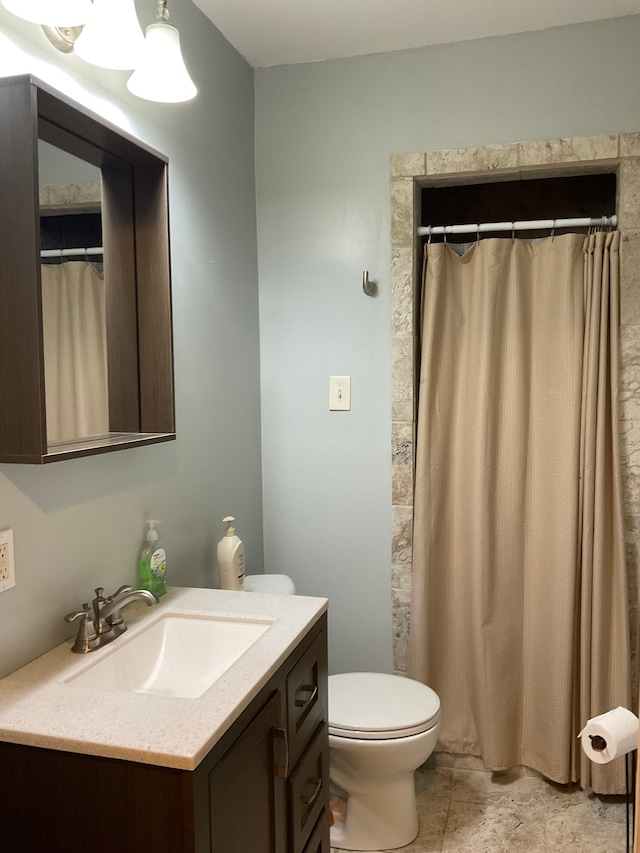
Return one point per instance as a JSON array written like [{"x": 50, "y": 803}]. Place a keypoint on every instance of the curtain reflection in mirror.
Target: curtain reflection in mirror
[{"x": 75, "y": 343}]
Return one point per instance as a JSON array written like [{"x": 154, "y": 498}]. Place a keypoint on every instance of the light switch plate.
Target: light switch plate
[
  {"x": 7, "y": 567},
  {"x": 339, "y": 393}
]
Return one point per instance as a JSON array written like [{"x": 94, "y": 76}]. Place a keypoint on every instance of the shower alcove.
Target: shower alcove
[{"x": 608, "y": 164}]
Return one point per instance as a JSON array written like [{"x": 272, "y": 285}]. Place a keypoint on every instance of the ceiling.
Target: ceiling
[{"x": 283, "y": 32}]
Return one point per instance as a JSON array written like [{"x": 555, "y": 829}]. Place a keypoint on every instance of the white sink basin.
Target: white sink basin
[{"x": 173, "y": 656}]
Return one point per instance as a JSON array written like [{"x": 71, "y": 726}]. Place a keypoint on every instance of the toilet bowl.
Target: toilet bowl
[{"x": 381, "y": 729}]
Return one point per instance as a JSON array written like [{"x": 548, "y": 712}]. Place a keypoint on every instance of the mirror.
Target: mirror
[
  {"x": 74, "y": 322},
  {"x": 86, "y": 345}
]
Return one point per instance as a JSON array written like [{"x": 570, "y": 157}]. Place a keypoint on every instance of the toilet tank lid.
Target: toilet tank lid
[
  {"x": 275, "y": 584},
  {"x": 375, "y": 701}
]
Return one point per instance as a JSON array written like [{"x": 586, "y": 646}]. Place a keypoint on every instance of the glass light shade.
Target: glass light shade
[
  {"x": 112, "y": 37},
  {"x": 161, "y": 74},
  {"x": 51, "y": 13}
]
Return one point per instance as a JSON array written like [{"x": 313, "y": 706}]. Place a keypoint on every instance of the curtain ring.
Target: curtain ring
[
  {"x": 478, "y": 233},
  {"x": 430, "y": 236},
  {"x": 444, "y": 234},
  {"x": 553, "y": 229},
  {"x": 513, "y": 231}
]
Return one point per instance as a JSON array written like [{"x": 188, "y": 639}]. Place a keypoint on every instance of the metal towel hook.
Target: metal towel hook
[{"x": 369, "y": 287}]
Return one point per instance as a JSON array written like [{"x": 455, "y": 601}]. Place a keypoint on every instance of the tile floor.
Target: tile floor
[{"x": 466, "y": 809}]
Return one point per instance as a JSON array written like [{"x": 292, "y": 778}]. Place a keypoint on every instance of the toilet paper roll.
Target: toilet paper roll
[{"x": 610, "y": 735}]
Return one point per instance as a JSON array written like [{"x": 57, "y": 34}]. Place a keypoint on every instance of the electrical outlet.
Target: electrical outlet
[{"x": 7, "y": 567}]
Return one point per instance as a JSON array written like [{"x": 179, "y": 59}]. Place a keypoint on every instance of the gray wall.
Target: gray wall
[
  {"x": 57, "y": 167},
  {"x": 324, "y": 135},
  {"x": 79, "y": 524}
]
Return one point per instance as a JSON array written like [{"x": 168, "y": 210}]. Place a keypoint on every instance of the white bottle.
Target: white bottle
[{"x": 231, "y": 558}]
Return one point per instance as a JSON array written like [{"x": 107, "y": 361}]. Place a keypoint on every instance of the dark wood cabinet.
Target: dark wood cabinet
[
  {"x": 263, "y": 788},
  {"x": 245, "y": 777}
]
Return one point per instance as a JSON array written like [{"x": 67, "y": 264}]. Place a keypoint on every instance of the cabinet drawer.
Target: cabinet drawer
[
  {"x": 307, "y": 695},
  {"x": 308, "y": 790},
  {"x": 319, "y": 841}
]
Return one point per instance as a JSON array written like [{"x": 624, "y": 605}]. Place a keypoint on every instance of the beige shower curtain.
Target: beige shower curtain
[
  {"x": 75, "y": 346},
  {"x": 519, "y": 611}
]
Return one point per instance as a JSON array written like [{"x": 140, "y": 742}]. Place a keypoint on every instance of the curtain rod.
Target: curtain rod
[
  {"x": 65, "y": 253},
  {"x": 522, "y": 225}
]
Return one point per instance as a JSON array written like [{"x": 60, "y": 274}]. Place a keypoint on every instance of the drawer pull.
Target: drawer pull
[
  {"x": 281, "y": 734},
  {"x": 309, "y": 801},
  {"x": 312, "y": 690}
]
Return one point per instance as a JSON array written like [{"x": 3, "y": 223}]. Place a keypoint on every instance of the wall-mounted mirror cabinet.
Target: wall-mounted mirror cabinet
[{"x": 86, "y": 352}]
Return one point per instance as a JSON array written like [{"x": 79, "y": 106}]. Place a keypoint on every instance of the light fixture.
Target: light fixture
[
  {"x": 51, "y": 13},
  {"x": 112, "y": 37},
  {"x": 107, "y": 33},
  {"x": 161, "y": 74}
]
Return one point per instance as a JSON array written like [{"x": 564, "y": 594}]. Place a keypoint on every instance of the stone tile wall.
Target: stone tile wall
[{"x": 525, "y": 160}]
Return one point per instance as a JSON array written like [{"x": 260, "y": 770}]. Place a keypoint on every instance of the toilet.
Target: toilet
[{"x": 381, "y": 729}]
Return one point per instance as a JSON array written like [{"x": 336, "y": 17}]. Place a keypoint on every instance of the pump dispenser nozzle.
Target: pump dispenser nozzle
[
  {"x": 230, "y": 531},
  {"x": 152, "y": 534}
]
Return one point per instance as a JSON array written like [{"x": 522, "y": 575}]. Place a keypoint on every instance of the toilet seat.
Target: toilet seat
[{"x": 378, "y": 706}]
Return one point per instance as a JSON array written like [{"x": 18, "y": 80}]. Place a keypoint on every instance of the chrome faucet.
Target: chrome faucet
[{"x": 102, "y": 622}]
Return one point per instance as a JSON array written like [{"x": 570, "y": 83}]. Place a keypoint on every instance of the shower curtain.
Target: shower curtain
[
  {"x": 519, "y": 604},
  {"x": 75, "y": 345}
]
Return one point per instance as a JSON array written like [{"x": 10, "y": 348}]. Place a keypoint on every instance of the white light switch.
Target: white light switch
[
  {"x": 339, "y": 393},
  {"x": 7, "y": 570}
]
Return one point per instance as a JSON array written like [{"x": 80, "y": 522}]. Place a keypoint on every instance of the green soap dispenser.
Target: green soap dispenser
[{"x": 152, "y": 565}]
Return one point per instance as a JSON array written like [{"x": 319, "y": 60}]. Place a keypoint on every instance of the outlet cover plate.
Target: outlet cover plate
[{"x": 7, "y": 566}]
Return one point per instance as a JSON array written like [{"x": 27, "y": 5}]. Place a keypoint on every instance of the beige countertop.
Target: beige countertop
[{"x": 38, "y": 707}]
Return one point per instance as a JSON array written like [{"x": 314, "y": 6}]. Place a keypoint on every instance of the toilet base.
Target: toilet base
[{"x": 382, "y": 818}]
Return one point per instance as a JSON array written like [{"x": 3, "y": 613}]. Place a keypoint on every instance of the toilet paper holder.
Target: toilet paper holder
[
  {"x": 610, "y": 736},
  {"x": 598, "y": 742}
]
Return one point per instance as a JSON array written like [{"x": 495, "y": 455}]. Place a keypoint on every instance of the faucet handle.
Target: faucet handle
[
  {"x": 86, "y": 614},
  {"x": 123, "y": 589},
  {"x": 115, "y": 620},
  {"x": 86, "y": 638}
]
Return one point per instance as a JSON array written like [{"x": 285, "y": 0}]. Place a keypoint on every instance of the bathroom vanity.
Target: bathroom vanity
[{"x": 241, "y": 768}]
